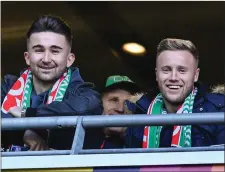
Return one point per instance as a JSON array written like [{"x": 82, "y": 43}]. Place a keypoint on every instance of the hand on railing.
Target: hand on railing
[{"x": 15, "y": 111}]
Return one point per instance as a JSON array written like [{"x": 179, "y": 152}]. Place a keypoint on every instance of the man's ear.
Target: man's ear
[
  {"x": 27, "y": 58},
  {"x": 197, "y": 74},
  {"x": 70, "y": 59}
]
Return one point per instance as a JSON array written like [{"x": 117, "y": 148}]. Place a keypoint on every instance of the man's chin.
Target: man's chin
[
  {"x": 175, "y": 100},
  {"x": 47, "y": 78}
]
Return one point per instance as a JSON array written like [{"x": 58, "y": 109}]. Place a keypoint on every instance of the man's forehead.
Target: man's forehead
[
  {"x": 117, "y": 93},
  {"x": 183, "y": 54},
  {"x": 181, "y": 57},
  {"x": 47, "y": 39}
]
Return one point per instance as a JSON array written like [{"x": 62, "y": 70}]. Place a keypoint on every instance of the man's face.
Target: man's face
[
  {"x": 113, "y": 102},
  {"x": 176, "y": 72},
  {"x": 48, "y": 55}
]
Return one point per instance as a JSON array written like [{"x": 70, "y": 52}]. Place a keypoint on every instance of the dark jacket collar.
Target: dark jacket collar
[{"x": 202, "y": 91}]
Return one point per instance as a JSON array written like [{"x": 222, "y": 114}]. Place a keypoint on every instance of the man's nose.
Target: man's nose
[
  {"x": 174, "y": 75},
  {"x": 120, "y": 108},
  {"x": 46, "y": 57}
]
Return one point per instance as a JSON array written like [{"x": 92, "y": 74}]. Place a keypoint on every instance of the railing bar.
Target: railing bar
[
  {"x": 141, "y": 120},
  {"x": 152, "y": 150},
  {"x": 36, "y": 153},
  {"x": 38, "y": 122},
  {"x": 112, "y": 151},
  {"x": 113, "y": 120},
  {"x": 78, "y": 140}
]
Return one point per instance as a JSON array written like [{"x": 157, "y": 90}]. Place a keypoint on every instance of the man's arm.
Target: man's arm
[
  {"x": 9, "y": 136},
  {"x": 82, "y": 101}
]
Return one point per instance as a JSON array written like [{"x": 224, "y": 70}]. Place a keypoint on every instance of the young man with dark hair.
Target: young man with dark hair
[{"x": 49, "y": 86}]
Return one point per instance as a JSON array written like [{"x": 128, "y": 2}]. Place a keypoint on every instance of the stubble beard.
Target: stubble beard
[
  {"x": 179, "y": 99},
  {"x": 47, "y": 78}
]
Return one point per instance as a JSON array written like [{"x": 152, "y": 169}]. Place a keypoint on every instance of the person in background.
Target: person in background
[
  {"x": 219, "y": 89},
  {"x": 49, "y": 86},
  {"x": 121, "y": 96}
]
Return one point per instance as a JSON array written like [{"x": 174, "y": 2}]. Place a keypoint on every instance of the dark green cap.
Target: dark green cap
[
  {"x": 117, "y": 79},
  {"x": 121, "y": 82}
]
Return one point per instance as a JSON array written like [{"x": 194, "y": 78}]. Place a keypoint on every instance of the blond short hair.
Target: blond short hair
[{"x": 177, "y": 44}]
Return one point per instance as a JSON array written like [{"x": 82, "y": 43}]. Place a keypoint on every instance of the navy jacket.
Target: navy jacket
[
  {"x": 202, "y": 135},
  {"x": 79, "y": 99}
]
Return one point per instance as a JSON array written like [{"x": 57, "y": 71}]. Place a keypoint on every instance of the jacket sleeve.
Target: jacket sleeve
[
  {"x": 140, "y": 107},
  {"x": 220, "y": 132},
  {"x": 6, "y": 84},
  {"x": 143, "y": 104},
  {"x": 134, "y": 137},
  {"x": 220, "y": 135},
  {"x": 82, "y": 100},
  {"x": 9, "y": 137}
]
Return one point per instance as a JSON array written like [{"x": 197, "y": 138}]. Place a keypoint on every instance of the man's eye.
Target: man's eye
[
  {"x": 165, "y": 70},
  {"x": 182, "y": 70},
  {"x": 113, "y": 99},
  {"x": 38, "y": 50},
  {"x": 55, "y": 51}
]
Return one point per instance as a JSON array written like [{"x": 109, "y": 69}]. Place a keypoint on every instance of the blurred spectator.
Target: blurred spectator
[
  {"x": 121, "y": 96},
  {"x": 219, "y": 89},
  {"x": 48, "y": 87}
]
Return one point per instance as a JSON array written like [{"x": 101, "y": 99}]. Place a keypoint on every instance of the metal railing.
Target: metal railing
[{"x": 82, "y": 122}]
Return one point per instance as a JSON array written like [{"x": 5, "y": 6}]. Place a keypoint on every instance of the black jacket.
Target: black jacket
[{"x": 79, "y": 99}]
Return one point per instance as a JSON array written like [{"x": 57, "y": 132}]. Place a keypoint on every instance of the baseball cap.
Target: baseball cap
[
  {"x": 121, "y": 82},
  {"x": 117, "y": 79}
]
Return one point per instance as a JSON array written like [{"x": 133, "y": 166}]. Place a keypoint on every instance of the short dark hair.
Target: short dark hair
[{"x": 52, "y": 24}]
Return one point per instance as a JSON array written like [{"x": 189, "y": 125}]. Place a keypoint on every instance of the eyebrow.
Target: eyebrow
[
  {"x": 56, "y": 47},
  {"x": 166, "y": 66},
  {"x": 184, "y": 67},
  {"x": 41, "y": 46},
  {"x": 37, "y": 46}
]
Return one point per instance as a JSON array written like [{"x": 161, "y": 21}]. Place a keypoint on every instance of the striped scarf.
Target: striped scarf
[
  {"x": 20, "y": 93},
  {"x": 181, "y": 134}
]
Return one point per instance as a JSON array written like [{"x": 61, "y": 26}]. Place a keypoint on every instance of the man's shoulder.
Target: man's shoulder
[
  {"x": 9, "y": 80},
  {"x": 207, "y": 98},
  {"x": 213, "y": 101},
  {"x": 77, "y": 83},
  {"x": 215, "y": 98},
  {"x": 6, "y": 84}
]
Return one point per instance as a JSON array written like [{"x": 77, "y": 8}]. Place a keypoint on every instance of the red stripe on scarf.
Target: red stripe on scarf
[{"x": 14, "y": 96}]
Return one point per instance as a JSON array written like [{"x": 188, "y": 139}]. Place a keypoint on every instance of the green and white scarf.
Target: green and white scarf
[
  {"x": 181, "y": 134},
  {"x": 20, "y": 93}
]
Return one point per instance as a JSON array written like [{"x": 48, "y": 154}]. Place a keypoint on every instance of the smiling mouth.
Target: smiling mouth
[
  {"x": 174, "y": 87},
  {"x": 46, "y": 68}
]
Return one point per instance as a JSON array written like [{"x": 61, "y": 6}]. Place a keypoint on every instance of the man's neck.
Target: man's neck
[
  {"x": 40, "y": 86},
  {"x": 171, "y": 108}
]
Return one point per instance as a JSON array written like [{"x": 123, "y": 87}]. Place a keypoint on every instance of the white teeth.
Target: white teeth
[{"x": 174, "y": 86}]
